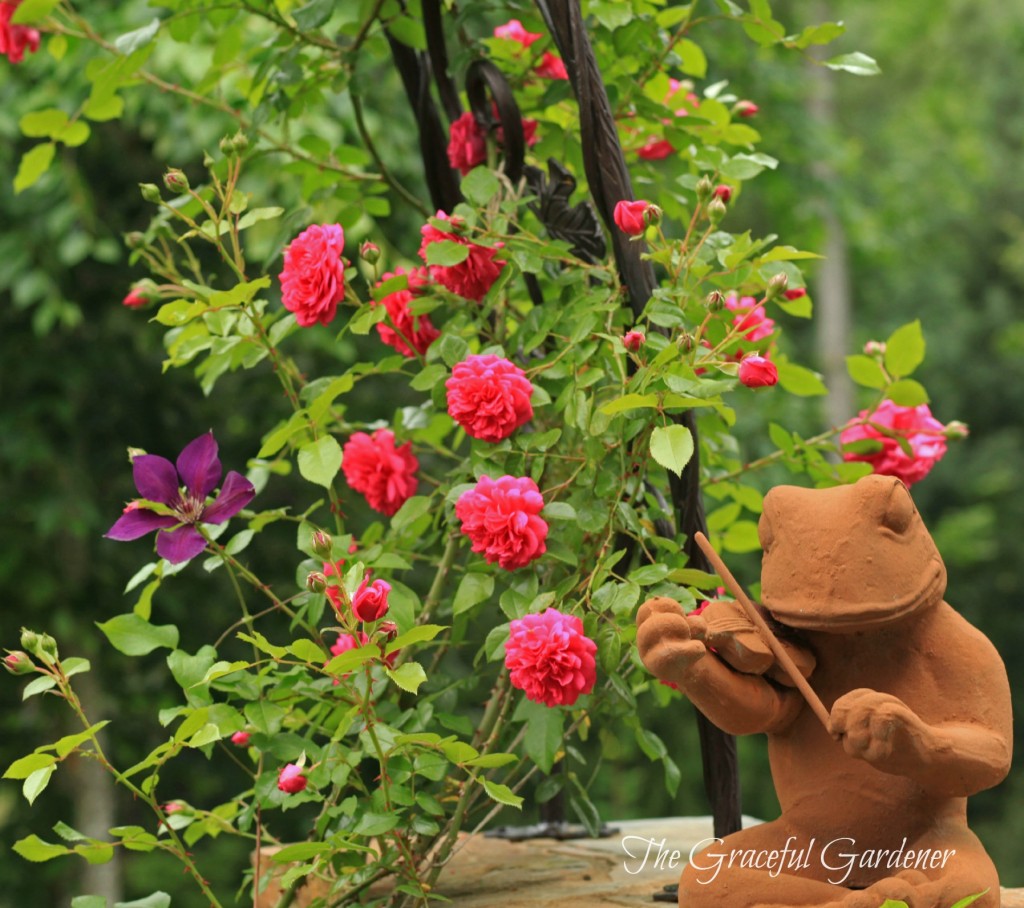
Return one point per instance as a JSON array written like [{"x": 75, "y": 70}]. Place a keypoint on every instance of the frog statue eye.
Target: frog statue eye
[{"x": 899, "y": 510}]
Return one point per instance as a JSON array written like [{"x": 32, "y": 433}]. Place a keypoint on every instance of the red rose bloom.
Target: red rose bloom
[
  {"x": 750, "y": 319},
  {"x": 631, "y": 217},
  {"x": 889, "y": 423},
  {"x": 383, "y": 473},
  {"x": 370, "y": 602},
  {"x": 489, "y": 397},
  {"x": 471, "y": 278},
  {"x": 467, "y": 144},
  {"x": 313, "y": 276},
  {"x": 501, "y": 517},
  {"x": 550, "y": 659},
  {"x": 15, "y": 38},
  {"x": 410, "y": 332},
  {"x": 291, "y": 780},
  {"x": 655, "y": 150},
  {"x": 551, "y": 67},
  {"x": 758, "y": 372}
]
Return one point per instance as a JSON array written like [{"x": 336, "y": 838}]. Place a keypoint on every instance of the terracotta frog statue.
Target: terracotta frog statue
[{"x": 875, "y": 806}]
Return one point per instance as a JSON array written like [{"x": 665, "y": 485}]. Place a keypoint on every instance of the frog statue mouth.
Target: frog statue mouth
[{"x": 847, "y": 558}]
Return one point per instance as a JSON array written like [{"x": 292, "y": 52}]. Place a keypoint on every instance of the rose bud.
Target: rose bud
[
  {"x": 796, "y": 293},
  {"x": 633, "y": 217},
  {"x": 956, "y": 430},
  {"x": 370, "y": 253},
  {"x": 705, "y": 189},
  {"x": 724, "y": 193},
  {"x": 633, "y": 340},
  {"x": 316, "y": 582},
  {"x": 758, "y": 372},
  {"x": 150, "y": 192},
  {"x": 746, "y": 109},
  {"x": 714, "y": 301},
  {"x": 322, "y": 544},
  {"x": 18, "y": 663},
  {"x": 370, "y": 601},
  {"x": 176, "y": 181},
  {"x": 716, "y": 210},
  {"x": 241, "y": 738},
  {"x": 875, "y": 348},
  {"x": 776, "y": 285},
  {"x": 291, "y": 780},
  {"x": 134, "y": 299}
]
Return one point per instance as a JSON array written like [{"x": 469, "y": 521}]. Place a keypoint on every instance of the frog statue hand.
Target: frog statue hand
[{"x": 874, "y": 805}]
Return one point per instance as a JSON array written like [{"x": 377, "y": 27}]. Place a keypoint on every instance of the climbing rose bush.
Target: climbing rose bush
[
  {"x": 887, "y": 429},
  {"x": 550, "y": 659},
  {"x": 489, "y": 396},
  {"x": 409, "y": 334},
  {"x": 501, "y": 518},
  {"x": 15, "y": 39},
  {"x": 480, "y": 452},
  {"x": 470, "y": 278},
  {"x": 383, "y": 473},
  {"x": 313, "y": 277}
]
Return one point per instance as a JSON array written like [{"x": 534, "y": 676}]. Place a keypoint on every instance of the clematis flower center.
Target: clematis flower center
[{"x": 189, "y": 508}]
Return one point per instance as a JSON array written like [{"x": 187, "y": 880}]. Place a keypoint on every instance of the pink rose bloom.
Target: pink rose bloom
[
  {"x": 655, "y": 149},
  {"x": 501, "y": 518},
  {"x": 550, "y": 659},
  {"x": 750, "y": 319},
  {"x": 370, "y": 602},
  {"x": 240, "y": 739},
  {"x": 134, "y": 299},
  {"x": 889, "y": 422},
  {"x": 383, "y": 473},
  {"x": 513, "y": 30},
  {"x": 291, "y": 780},
  {"x": 758, "y": 372},
  {"x": 467, "y": 144},
  {"x": 551, "y": 67},
  {"x": 410, "y": 332},
  {"x": 489, "y": 397},
  {"x": 343, "y": 644},
  {"x": 631, "y": 217},
  {"x": 471, "y": 278},
  {"x": 346, "y": 642},
  {"x": 633, "y": 340},
  {"x": 313, "y": 276},
  {"x": 15, "y": 38}
]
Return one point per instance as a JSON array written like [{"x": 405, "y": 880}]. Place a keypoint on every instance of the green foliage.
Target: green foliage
[{"x": 430, "y": 710}]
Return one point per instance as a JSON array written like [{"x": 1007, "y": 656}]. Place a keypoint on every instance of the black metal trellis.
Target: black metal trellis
[{"x": 609, "y": 182}]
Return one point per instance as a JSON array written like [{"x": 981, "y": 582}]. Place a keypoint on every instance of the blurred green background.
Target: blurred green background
[{"x": 909, "y": 180}]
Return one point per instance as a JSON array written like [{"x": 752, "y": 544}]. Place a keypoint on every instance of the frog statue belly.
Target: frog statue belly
[{"x": 875, "y": 806}]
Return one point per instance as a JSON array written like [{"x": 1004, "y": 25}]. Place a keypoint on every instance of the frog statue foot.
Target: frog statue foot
[{"x": 874, "y": 803}]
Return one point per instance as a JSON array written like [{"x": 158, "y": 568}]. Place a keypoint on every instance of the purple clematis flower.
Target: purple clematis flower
[{"x": 158, "y": 480}]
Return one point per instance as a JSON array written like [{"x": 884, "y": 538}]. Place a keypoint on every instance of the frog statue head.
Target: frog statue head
[{"x": 848, "y": 558}]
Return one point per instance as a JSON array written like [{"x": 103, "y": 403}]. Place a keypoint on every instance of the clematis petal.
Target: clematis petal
[
  {"x": 199, "y": 466},
  {"x": 155, "y": 478},
  {"x": 182, "y": 544},
  {"x": 234, "y": 495},
  {"x": 135, "y": 523}
]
